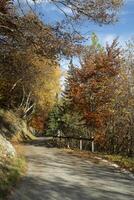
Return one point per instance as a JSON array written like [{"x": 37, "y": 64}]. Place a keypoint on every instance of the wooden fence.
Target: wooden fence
[{"x": 81, "y": 139}]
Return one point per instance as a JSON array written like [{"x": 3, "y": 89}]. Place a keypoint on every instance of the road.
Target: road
[{"x": 53, "y": 174}]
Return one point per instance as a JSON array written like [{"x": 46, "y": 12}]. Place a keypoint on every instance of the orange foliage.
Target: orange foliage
[
  {"x": 37, "y": 123},
  {"x": 100, "y": 138},
  {"x": 92, "y": 88}
]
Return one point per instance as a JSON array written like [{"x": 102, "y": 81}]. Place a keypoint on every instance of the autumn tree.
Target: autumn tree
[
  {"x": 64, "y": 117},
  {"x": 101, "y": 90},
  {"x": 98, "y": 11},
  {"x": 30, "y": 51},
  {"x": 120, "y": 126},
  {"x": 91, "y": 87},
  {"x": 73, "y": 12},
  {"x": 31, "y": 74}
]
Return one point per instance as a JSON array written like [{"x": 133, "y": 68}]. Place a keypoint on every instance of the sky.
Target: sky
[{"x": 124, "y": 28}]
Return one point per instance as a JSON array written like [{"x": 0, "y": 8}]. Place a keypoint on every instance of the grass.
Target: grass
[
  {"x": 11, "y": 170},
  {"x": 17, "y": 138},
  {"x": 123, "y": 161}
]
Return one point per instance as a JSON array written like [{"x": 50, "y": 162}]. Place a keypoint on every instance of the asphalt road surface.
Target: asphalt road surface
[{"x": 53, "y": 174}]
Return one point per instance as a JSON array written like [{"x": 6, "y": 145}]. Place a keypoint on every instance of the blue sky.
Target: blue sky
[{"x": 124, "y": 28}]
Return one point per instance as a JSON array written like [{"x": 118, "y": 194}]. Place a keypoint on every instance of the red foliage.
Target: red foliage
[
  {"x": 37, "y": 123},
  {"x": 92, "y": 88}
]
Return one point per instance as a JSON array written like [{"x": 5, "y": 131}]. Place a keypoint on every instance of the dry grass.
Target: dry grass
[
  {"x": 11, "y": 170},
  {"x": 123, "y": 161},
  {"x": 20, "y": 149},
  {"x": 82, "y": 154},
  {"x": 17, "y": 138},
  {"x": 13, "y": 127}
]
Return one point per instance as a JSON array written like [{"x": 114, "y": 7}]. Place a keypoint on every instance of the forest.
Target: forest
[
  {"x": 97, "y": 99},
  {"x": 93, "y": 97},
  {"x": 98, "y": 95}
]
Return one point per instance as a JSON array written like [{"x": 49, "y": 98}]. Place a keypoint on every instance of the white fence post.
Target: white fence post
[
  {"x": 68, "y": 146},
  {"x": 80, "y": 144},
  {"x": 92, "y": 144}
]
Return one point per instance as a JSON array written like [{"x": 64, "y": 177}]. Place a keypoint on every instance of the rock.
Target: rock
[
  {"x": 6, "y": 148},
  {"x": 12, "y": 125}
]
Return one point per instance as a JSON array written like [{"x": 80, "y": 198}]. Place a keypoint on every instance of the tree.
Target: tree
[
  {"x": 101, "y": 90},
  {"x": 120, "y": 128},
  {"x": 31, "y": 74},
  {"x": 30, "y": 51},
  {"x": 91, "y": 87},
  {"x": 55, "y": 120},
  {"x": 98, "y": 11},
  {"x": 7, "y": 19},
  {"x": 67, "y": 122}
]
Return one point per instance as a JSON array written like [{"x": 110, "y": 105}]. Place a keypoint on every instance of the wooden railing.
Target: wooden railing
[{"x": 81, "y": 139}]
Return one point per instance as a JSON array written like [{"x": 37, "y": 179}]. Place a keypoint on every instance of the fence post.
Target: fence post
[
  {"x": 92, "y": 144},
  {"x": 68, "y": 146},
  {"x": 80, "y": 144}
]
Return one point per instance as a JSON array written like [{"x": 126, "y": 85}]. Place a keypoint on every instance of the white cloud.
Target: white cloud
[
  {"x": 67, "y": 10},
  {"x": 108, "y": 38}
]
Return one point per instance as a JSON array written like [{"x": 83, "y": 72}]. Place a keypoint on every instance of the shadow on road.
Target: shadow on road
[
  {"x": 40, "y": 189},
  {"x": 55, "y": 175},
  {"x": 42, "y": 141}
]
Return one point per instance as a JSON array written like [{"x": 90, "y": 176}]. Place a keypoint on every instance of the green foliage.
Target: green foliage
[
  {"x": 73, "y": 124},
  {"x": 68, "y": 123},
  {"x": 95, "y": 42},
  {"x": 54, "y": 121}
]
